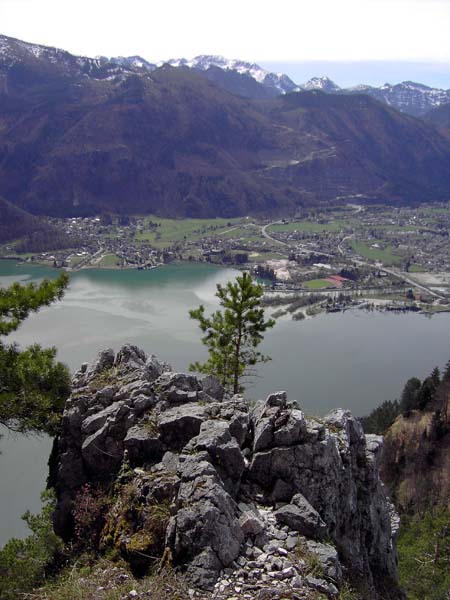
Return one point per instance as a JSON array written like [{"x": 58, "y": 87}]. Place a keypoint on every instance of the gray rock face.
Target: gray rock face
[
  {"x": 329, "y": 559},
  {"x": 242, "y": 489},
  {"x": 212, "y": 387},
  {"x": 143, "y": 446},
  {"x": 205, "y": 528},
  {"x": 180, "y": 424},
  {"x": 251, "y": 524},
  {"x": 276, "y": 424},
  {"x": 334, "y": 471},
  {"x": 154, "y": 368},
  {"x": 300, "y": 516},
  {"x": 224, "y": 452}
]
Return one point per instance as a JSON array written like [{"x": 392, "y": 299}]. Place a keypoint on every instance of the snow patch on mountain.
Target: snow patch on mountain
[
  {"x": 409, "y": 97},
  {"x": 203, "y": 62},
  {"x": 321, "y": 83},
  {"x": 136, "y": 62}
]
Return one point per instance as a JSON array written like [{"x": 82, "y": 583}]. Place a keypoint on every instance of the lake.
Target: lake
[{"x": 354, "y": 360}]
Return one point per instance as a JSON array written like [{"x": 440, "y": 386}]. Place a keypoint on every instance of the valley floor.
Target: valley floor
[{"x": 353, "y": 256}]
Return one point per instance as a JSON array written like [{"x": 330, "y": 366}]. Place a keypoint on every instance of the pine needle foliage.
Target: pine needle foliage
[
  {"x": 17, "y": 301},
  {"x": 33, "y": 386},
  {"x": 233, "y": 334}
]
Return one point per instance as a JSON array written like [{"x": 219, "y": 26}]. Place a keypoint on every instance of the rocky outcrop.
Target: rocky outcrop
[{"x": 244, "y": 498}]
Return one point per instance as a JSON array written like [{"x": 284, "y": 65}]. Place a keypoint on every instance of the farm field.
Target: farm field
[
  {"x": 386, "y": 255},
  {"x": 109, "y": 261},
  {"x": 309, "y": 226},
  {"x": 416, "y": 269},
  {"x": 170, "y": 231},
  {"x": 250, "y": 233},
  {"x": 316, "y": 284}
]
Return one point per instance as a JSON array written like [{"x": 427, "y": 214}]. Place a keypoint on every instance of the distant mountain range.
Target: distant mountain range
[
  {"x": 277, "y": 83},
  {"x": 247, "y": 79},
  {"x": 408, "y": 97},
  {"x": 411, "y": 98},
  {"x": 206, "y": 137}
]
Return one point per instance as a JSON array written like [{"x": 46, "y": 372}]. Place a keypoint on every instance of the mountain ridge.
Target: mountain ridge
[
  {"x": 413, "y": 98},
  {"x": 15, "y": 222},
  {"x": 78, "y": 140},
  {"x": 439, "y": 116}
]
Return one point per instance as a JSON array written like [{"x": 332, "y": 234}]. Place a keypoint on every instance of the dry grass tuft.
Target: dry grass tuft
[{"x": 104, "y": 581}]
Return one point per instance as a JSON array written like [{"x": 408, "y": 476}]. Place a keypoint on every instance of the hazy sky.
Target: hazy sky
[{"x": 284, "y": 32}]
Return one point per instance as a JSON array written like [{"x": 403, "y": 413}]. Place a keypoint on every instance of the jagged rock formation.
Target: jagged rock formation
[{"x": 244, "y": 498}]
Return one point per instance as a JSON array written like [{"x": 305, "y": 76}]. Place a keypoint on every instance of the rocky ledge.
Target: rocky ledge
[{"x": 250, "y": 500}]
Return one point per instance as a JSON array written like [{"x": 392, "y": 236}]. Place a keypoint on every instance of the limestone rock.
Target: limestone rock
[
  {"x": 102, "y": 454},
  {"x": 323, "y": 586},
  {"x": 154, "y": 368},
  {"x": 302, "y": 517},
  {"x": 236, "y": 489},
  {"x": 250, "y": 524},
  {"x": 131, "y": 357},
  {"x": 329, "y": 559},
  {"x": 224, "y": 452},
  {"x": 206, "y": 519},
  {"x": 177, "y": 388},
  {"x": 143, "y": 446},
  {"x": 212, "y": 387},
  {"x": 180, "y": 424}
]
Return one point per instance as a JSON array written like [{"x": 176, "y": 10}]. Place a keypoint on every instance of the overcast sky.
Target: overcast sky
[{"x": 266, "y": 31}]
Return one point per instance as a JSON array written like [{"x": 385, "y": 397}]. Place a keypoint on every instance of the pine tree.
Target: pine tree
[
  {"x": 33, "y": 387},
  {"x": 446, "y": 376},
  {"x": 17, "y": 301},
  {"x": 408, "y": 400},
  {"x": 436, "y": 376},
  {"x": 233, "y": 335}
]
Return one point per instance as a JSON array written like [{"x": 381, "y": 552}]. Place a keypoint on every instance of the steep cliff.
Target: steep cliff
[
  {"x": 415, "y": 466},
  {"x": 244, "y": 498},
  {"x": 416, "y": 461}
]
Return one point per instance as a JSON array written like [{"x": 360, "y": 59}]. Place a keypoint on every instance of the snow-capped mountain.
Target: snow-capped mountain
[
  {"x": 237, "y": 76},
  {"x": 13, "y": 51},
  {"x": 412, "y": 98},
  {"x": 276, "y": 81},
  {"x": 321, "y": 83},
  {"x": 133, "y": 62},
  {"x": 79, "y": 136}
]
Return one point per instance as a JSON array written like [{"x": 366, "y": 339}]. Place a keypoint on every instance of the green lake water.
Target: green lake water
[{"x": 354, "y": 360}]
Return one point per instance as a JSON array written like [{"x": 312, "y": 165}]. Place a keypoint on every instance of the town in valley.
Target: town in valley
[{"x": 319, "y": 259}]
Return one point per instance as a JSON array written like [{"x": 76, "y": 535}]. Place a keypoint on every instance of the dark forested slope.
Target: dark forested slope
[{"x": 80, "y": 136}]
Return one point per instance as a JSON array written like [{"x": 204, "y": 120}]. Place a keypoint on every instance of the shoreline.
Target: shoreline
[{"x": 370, "y": 304}]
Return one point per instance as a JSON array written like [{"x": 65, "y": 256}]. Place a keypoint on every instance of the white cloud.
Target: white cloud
[{"x": 282, "y": 30}]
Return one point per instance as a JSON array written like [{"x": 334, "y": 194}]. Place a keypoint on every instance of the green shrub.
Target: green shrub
[
  {"x": 424, "y": 555},
  {"x": 24, "y": 564}
]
